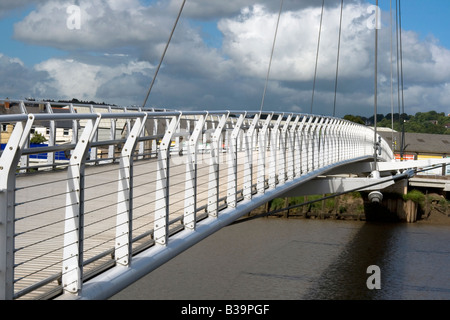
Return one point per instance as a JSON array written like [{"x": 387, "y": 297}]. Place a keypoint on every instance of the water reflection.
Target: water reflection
[
  {"x": 346, "y": 277},
  {"x": 406, "y": 271},
  {"x": 297, "y": 259}
]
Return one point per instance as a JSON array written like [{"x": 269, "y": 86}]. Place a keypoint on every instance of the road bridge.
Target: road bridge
[{"x": 133, "y": 188}]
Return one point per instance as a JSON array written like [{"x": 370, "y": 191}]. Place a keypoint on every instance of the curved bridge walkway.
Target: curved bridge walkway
[{"x": 133, "y": 188}]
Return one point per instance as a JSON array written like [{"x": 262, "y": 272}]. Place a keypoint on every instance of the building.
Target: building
[
  {"x": 63, "y": 129},
  {"x": 419, "y": 146}
]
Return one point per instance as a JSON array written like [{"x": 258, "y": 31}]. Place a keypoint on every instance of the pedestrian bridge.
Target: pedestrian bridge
[{"x": 129, "y": 189}]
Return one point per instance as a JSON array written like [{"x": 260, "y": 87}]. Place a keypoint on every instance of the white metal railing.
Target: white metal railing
[{"x": 130, "y": 180}]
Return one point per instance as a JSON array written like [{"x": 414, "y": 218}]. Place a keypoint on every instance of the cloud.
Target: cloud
[
  {"x": 6, "y": 6},
  {"x": 16, "y": 80},
  {"x": 104, "y": 24},
  {"x": 112, "y": 57},
  {"x": 207, "y": 9},
  {"x": 116, "y": 78}
]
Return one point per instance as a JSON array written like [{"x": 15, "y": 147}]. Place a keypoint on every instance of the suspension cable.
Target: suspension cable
[
  {"x": 392, "y": 75},
  {"x": 401, "y": 75},
  {"x": 338, "y": 56},
  {"x": 376, "y": 88},
  {"x": 163, "y": 54},
  {"x": 317, "y": 56},
  {"x": 271, "y": 55}
]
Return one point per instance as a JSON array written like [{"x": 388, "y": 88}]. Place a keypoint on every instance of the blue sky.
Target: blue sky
[
  {"x": 219, "y": 54},
  {"x": 425, "y": 17},
  {"x": 29, "y": 54}
]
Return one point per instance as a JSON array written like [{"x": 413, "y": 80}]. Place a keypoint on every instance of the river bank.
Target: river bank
[{"x": 426, "y": 208}]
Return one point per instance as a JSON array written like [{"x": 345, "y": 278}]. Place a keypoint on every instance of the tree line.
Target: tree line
[{"x": 422, "y": 122}]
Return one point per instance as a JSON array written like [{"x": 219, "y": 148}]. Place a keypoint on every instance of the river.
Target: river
[{"x": 303, "y": 259}]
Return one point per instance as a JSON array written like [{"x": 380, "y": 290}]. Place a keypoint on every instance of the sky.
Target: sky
[{"x": 108, "y": 51}]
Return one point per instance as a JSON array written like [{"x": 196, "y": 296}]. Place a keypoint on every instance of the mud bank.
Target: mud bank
[{"x": 415, "y": 207}]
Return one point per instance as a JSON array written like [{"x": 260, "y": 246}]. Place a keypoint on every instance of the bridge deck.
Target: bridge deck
[{"x": 40, "y": 208}]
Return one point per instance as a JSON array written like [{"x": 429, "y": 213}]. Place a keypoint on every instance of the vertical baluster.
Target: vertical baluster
[
  {"x": 8, "y": 163},
  {"x": 124, "y": 216},
  {"x": 248, "y": 164},
  {"x": 284, "y": 149},
  {"x": 233, "y": 162},
  {"x": 72, "y": 267},
  {"x": 262, "y": 146},
  {"x": 213, "y": 184},
  {"x": 190, "y": 202},
  {"x": 161, "y": 223},
  {"x": 274, "y": 139}
]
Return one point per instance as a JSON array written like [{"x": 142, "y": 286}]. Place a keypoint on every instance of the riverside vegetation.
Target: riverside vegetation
[{"x": 353, "y": 206}]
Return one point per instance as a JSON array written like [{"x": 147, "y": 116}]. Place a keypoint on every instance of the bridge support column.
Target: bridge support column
[{"x": 8, "y": 163}]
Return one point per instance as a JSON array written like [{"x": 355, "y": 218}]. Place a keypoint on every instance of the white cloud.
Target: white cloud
[
  {"x": 105, "y": 24},
  {"x": 77, "y": 79},
  {"x": 113, "y": 55}
]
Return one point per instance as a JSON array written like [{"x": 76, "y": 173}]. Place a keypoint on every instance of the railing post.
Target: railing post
[
  {"x": 52, "y": 135},
  {"x": 313, "y": 143},
  {"x": 213, "y": 185},
  {"x": 161, "y": 224},
  {"x": 141, "y": 143},
  {"x": 306, "y": 145},
  {"x": 154, "y": 146},
  {"x": 93, "y": 154},
  {"x": 8, "y": 164},
  {"x": 24, "y": 160},
  {"x": 112, "y": 135},
  {"x": 283, "y": 151},
  {"x": 346, "y": 141},
  {"x": 72, "y": 267},
  {"x": 124, "y": 216},
  {"x": 299, "y": 154},
  {"x": 262, "y": 148},
  {"x": 248, "y": 163},
  {"x": 322, "y": 144},
  {"x": 292, "y": 159},
  {"x": 317, "y": 146},
  {"x": 190, "y": 199},
  {"x": 337, "y": 139},
  {"x": 233, "y": 162},
  {"x": 75, "y": 125},
  {"x": 274, "y": 140},
  {"x": 327, "y": 142}
]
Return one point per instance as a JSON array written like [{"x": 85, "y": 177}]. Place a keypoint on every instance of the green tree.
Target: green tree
[
  {"x": 38, "y": 138},
  {"x": 356, "y": 119}
]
